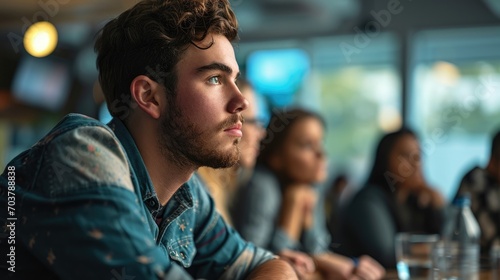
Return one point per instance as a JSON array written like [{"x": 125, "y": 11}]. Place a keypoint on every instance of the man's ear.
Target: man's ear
[{"x": 148, "y": 94}]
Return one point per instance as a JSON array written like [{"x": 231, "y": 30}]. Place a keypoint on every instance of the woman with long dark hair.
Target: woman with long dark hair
[{"x": 396, "y": 198}]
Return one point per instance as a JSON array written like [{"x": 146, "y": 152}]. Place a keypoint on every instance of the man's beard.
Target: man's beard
[{"x": 185, "y": 144}]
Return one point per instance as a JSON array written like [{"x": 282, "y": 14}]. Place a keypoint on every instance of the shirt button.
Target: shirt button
[
  {"x": 152, "y": 203},
  {"x": 183, "y": 256}
]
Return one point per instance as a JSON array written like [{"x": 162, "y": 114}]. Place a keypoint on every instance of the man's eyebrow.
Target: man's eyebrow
[{"x": 216, "y": 66}]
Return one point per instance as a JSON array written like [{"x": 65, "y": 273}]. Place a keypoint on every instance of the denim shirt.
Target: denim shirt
[
  {"x": 82, "y": 206},
  {"x": 256, "y": 212}
]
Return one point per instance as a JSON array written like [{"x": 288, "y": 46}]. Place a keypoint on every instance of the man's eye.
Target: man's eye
[{"x": 214, "y": 80}]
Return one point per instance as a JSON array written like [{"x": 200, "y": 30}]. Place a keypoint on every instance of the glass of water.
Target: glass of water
[{"x": 414, "y": 255}]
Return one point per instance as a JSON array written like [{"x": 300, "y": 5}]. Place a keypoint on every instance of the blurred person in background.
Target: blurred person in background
[
  {"x": 333, "y": 204},
  {"x": 281, "y": 209},
  {"x": 120, "y": 201},
  {"x": 483, "y": 185},
  {"x": 396, "y": 198},
  {"x": 222, "y": 183}
]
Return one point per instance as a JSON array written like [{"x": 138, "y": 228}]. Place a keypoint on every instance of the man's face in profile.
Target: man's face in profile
[{"x": 203, "y": 125}]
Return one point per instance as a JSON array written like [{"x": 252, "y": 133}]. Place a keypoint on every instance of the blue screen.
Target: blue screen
[
  {"x": 278, "y": 74},
  {"x": 42, "y": 82}
]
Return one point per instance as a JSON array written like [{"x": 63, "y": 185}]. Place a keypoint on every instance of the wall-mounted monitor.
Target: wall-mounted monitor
[
  {"x": 278, "y": 73},
  {"x": 42, "y": 82}
]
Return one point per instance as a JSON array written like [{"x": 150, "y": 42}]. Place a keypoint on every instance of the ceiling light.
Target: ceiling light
[{"x": 40, "y": 39}]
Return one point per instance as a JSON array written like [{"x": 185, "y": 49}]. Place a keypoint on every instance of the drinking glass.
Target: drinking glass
[{"x": 414, "y": 255}]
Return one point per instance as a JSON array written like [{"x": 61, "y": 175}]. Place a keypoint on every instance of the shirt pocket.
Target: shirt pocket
[{"x": 182, "y": 250}]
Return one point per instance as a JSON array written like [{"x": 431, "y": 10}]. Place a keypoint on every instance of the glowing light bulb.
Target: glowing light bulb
[{"x": 40, "y": 39}]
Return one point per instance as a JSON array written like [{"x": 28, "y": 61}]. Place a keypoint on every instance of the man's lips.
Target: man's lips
[{"x": 235, "y": 130}]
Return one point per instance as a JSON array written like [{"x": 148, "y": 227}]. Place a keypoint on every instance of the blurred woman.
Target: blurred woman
[
  {"x": 222, "y": 183},
  {"x": 396, "y": 198},
  {"x": 281, "y": 209}
]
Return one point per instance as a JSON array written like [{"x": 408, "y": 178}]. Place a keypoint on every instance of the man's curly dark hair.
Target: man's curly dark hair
[{"x": 150, "y": 38}]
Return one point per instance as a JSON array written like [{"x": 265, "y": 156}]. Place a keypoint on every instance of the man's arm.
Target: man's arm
[
  {"x": 221, "y": 253},
  {"x": 81, "y": 218},
  {"x": 273, "y": 269}
]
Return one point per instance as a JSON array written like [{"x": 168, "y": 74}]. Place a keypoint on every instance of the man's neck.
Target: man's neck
[{"x": 167, "y": 176}]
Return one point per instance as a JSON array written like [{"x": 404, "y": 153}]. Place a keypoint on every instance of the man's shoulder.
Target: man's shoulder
[
  {"x": 75, "y": 131},
  {"x": 73, "y": 120},
  {"x": 78, "y": 154},
  {"x": 70, "y": 122}
]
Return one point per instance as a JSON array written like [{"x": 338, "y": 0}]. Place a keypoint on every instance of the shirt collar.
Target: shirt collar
[
  {"x": 141, "y": 173},
  {"x": 137, "y": 164}
]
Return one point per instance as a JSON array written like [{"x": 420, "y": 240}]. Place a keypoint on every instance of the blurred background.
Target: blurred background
[{"x": 368, "y": 66}]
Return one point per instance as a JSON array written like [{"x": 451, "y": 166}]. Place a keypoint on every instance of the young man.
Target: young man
[
  {"x": 483, "y": 185},
  {"x": 90, "y": 201}
]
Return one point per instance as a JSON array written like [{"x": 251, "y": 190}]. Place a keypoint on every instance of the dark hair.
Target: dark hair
[
  {"x": 278, "y": 129},
  {"x": 382, "y": 155},
  {"x": 149, "y": 39},
  {"x": 495, "y": 146}
]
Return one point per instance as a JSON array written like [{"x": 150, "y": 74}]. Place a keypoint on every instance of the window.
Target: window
[
  {"x": 455, "y": 101},
  {"x": 359, "y": 96}
]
